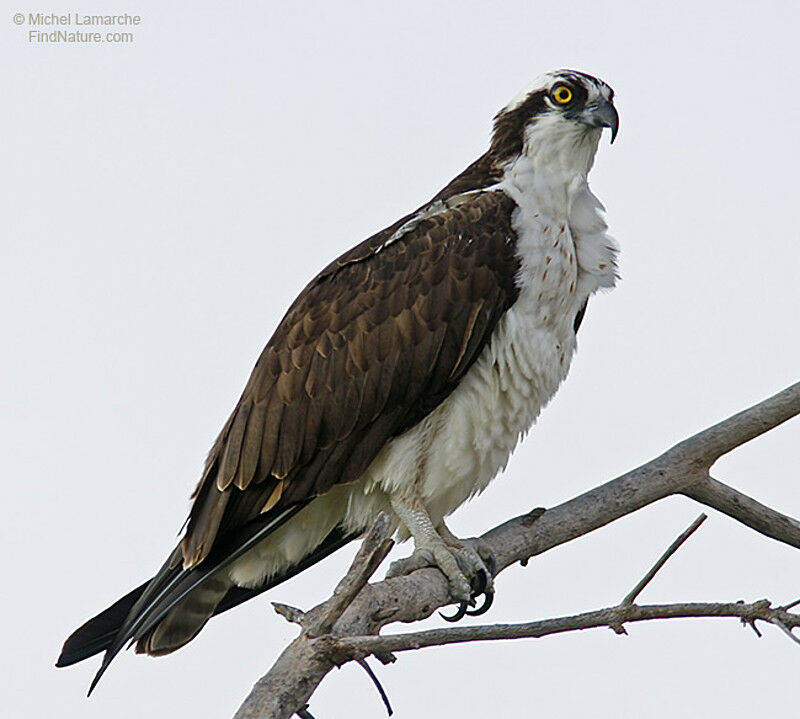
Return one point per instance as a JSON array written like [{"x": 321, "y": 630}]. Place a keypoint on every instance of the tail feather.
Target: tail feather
[
  {"x": 176, "y": 595},
  {"x": 172, "y": 583},
  {"x": 185, "y": 620},
  {"x": 98, "y": 633}
]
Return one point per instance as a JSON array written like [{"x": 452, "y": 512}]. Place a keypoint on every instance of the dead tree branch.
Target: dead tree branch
[
  {"x": 662, "y": 560},
  {"x": 614, "y": 617},
  {"x": 748, "y": 511},
  {"x": 684, "y": 469}
]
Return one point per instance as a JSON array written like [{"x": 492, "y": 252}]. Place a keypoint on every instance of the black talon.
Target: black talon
[
  {"x": 479, "y": 583},
  {"x": 459, "y": 615},
  {"x": 487, "y": 602}
]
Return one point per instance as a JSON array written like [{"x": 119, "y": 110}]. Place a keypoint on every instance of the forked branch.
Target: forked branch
[
  {"x": 344, "y": 628},
  {"x": 613, "y": 617}
]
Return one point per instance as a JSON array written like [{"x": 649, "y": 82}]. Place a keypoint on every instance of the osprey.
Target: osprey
[{"x": 399, "y": 381}]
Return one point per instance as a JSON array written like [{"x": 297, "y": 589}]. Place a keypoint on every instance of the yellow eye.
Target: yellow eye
[{"x": 562, "y": 95}]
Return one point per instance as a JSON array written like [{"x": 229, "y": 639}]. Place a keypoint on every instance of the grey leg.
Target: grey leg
[{"x": 459, "y": 561}]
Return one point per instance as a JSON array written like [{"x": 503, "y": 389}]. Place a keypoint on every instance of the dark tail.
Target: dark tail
[
  {"x": 98, "y": 633},
  {"x": 136, "y": 615}
]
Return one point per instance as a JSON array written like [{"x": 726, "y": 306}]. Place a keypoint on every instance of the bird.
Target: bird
[{"x": 400, "y": 380}]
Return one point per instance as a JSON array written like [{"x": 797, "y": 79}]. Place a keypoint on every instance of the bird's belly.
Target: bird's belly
[{"x": 347, "y": 505}]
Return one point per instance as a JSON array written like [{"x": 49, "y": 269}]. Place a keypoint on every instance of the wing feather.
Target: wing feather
[
  {"x": 251, "y": 444},
  {"x": 371, "y": 346},
  {"x": 233, "y": 447},
  {"x": 271, "y": 434}
]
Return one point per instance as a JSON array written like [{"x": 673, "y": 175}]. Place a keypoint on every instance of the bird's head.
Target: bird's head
[{"x": 560, "y": 117}]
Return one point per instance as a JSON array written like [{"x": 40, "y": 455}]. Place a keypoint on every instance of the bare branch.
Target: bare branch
[
  {"x": 608, "y": 617},
  {"x": 786, "y": 630},
  {"x": 375, "y": 547},
  {"x": 276, "y": 694},
  {"x": 710, "y": 444},
  {"x": 755, "y": 515},
  {"x": 662, "y": 560}
]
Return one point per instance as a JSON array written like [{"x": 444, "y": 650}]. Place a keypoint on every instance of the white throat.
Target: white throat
[
  {"x": 554, "y": 166},
  {"x": 549, "y": 183}
]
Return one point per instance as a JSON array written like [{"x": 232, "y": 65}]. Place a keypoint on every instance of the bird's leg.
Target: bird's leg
[{"x": 467, "y": 573}]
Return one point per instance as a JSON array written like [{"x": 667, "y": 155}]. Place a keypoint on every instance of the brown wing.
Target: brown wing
[{"x": 372, "y": 345}]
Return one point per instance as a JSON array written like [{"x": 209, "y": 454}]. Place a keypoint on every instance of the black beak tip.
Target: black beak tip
[
  {"x": 609, "y": 117},
  {"x": 612, "y": 121}
]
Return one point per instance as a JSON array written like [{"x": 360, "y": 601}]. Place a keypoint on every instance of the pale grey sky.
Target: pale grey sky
[{"x": 164, "y": 200}]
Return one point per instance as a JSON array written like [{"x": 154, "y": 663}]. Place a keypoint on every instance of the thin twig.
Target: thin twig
[
  {"x": 375, "y": 547},
  {"x": 620, "y": 614},
  {"x": 662, "y": 560},
  {"x": 368, "y": 669},
  {"x": 289, "y": 613},
  {"x": 751, "y": 622},
  {"x": 788, "y": 632}
]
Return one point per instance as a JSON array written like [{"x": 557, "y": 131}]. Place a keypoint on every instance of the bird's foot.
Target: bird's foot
[
  {"x": 468, "y": 565},
  {"x": 477, "y": 555},
  {"x": 435, "y": 553}
]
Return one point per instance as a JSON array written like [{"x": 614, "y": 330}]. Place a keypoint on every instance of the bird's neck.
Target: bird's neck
[{"x": 552, "y": 169}]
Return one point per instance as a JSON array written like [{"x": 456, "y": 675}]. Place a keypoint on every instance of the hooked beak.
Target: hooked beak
[{"x": 602, "y": 114}]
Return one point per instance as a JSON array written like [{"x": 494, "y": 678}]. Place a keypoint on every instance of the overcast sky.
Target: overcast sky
[{"x": 164, "y": 200}]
